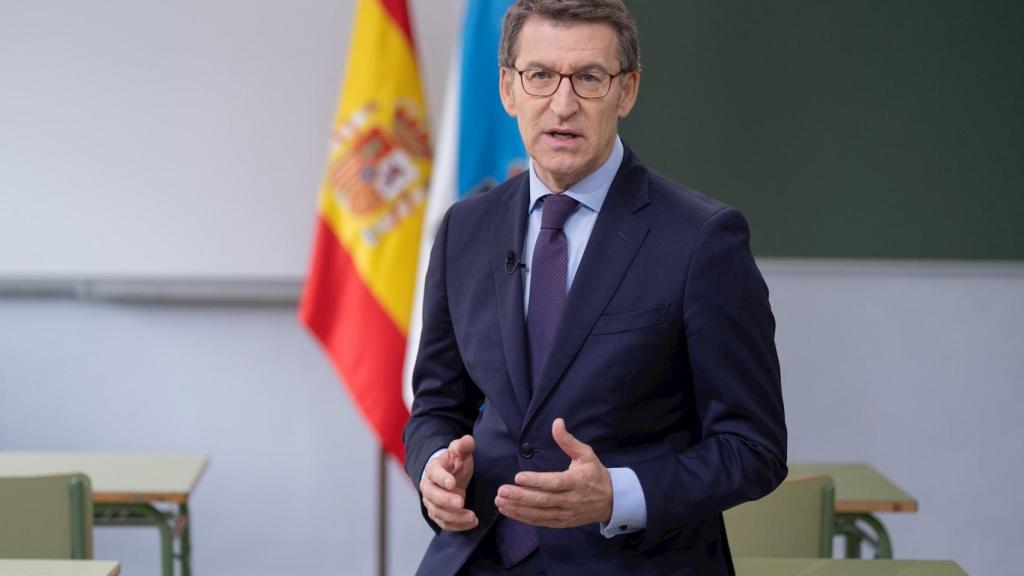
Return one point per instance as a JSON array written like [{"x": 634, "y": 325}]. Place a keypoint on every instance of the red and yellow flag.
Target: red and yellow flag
[{"x": 358, "y": 296}]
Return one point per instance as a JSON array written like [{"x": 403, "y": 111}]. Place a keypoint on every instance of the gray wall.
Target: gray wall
[
  {"x": 144, "y": 138},
  {"x": 912, "y": 367},
  {"x": 291, "y": 478},
  {"x": 915, "y": 368}
]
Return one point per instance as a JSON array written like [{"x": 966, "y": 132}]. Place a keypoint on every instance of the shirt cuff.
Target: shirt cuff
[{"x": 629, "y": 509}]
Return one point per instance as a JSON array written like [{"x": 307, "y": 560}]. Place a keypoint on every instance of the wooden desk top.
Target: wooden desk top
[
  {"x": 818, "y": 567},
  {"x": 859, "y": 487},
  {"x": 116, "y": 478},
  {"x": 59, "y": 568}
]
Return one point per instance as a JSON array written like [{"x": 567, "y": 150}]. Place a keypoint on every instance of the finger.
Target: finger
[
  {"x": 440, "y": 497},
  {"x": 462, "y": 447},
  {"x": 521, "y": 496},
  {"x": 439, "y": 471},
  {"x": 453, "y": 520},
  {"x": 457, "y": 526},
  {"x": 449, "y": 516},
  {"x": 549, "y": 481},
  {"x": 549, "y": 517},
  {"x": 516, "y": 496},
  {"x": 568, "y": 443}
]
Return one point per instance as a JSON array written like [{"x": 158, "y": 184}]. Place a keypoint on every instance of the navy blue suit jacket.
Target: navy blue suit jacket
[{"x": 664, "y": 362}]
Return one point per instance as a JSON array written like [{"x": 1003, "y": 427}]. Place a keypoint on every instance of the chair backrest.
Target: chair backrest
[
  {"x": 794, "y": 521},
  {"x": 46, "y": 517}
]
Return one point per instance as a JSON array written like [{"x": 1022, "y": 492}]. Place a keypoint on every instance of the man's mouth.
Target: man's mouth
[{"x": 564, "y": 135}]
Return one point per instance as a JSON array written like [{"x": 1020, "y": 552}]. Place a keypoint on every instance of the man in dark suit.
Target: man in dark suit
[{"x": 597, "y": 377}]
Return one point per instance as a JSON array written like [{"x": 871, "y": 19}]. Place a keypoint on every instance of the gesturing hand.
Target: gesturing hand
[
  {"x": 444, "y": 483},
  {"x": 580, "y": 495}
]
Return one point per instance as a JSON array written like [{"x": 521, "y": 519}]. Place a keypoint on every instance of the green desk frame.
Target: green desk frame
[
  {"x": 172, "y": 525},
  {"x": 861, "y": 493},
  {"x": 128, "y": 490},
  {"x": 857, "y": 529}
]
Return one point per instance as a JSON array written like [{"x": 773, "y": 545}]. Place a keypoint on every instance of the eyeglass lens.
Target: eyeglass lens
[{"x": 591, "y": 84}]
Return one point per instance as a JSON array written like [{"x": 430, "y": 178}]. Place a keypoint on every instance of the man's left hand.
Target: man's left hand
[{"x": 580, "y": 495}]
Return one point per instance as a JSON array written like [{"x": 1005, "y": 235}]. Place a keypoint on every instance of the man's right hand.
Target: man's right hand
[{"x": 444, "y": 484}]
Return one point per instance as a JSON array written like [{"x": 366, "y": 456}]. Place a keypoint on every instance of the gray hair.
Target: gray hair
[{"x": 570, "y": 12}]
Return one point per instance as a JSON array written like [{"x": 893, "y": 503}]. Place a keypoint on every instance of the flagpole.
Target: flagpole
[{"x": 382, "y": 511}]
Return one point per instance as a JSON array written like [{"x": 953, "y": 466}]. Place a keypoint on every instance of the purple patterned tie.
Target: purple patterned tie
[{"x": 548, "y": 274}]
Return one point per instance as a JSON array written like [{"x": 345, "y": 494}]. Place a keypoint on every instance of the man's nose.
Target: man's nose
[{"x": 564, "y": 102}]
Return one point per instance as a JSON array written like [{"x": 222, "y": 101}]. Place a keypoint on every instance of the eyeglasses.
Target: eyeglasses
[{"x": 589, "y": 85}]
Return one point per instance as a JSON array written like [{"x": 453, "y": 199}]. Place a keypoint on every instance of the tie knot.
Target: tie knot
[{"x": 556, "y": 210}]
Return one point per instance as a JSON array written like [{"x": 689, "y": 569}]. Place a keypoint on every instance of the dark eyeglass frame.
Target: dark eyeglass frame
[{"x": 572, "y": 83}]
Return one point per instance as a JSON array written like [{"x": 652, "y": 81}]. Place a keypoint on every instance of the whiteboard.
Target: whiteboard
[{"x": 153, "y": 139}]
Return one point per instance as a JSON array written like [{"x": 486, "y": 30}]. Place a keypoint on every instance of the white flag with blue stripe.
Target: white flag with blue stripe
[{"x": 478, "y": 143}]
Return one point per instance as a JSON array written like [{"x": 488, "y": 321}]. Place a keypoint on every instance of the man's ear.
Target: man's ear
[
  {"x": 506, "y": 89},
  {"x": 628, "y": 95}
]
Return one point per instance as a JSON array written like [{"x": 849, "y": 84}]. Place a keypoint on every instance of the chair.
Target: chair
[
  {"x": 794, "y": 521},
  {"x": 46, "y": 517}
]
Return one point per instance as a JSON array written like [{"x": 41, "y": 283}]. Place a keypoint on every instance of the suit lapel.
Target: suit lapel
[
  {"x": 510, "y": 230},
  {"x": 614, "y": 242}
]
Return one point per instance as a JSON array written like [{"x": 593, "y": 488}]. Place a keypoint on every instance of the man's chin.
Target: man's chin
[
  {"x": 560, "y": 164},
  {"x": 560, "y": 178}
]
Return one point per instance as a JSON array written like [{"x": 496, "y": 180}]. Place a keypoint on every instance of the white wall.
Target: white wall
[
  {"x": 292, "y": 476},
  {"x": 198, "y": 130},
  {"x": 912, "y": 367},
  {"x": 917, "y": 369}
]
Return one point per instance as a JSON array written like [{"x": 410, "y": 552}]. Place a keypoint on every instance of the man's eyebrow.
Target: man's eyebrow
[
  {"x": 536, "y": 64},
  {"x": 591, "y": 67}
]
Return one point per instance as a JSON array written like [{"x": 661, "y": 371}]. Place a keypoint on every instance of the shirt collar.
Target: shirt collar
[{"x": 591, "y": 190}]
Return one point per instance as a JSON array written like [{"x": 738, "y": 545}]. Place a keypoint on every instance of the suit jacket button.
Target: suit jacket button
[{"x": 525, "y": 450}]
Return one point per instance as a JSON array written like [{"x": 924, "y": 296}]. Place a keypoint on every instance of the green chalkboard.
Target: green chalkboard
[{"x": 842, "y": 128}]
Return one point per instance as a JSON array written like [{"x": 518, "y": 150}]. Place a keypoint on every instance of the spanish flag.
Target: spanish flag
[{"x": 358, "y": 296}]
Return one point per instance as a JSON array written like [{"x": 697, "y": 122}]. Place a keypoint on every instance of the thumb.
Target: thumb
[
  {"x": 568, "y": 443},
  {"x": 463, "y": 447}
]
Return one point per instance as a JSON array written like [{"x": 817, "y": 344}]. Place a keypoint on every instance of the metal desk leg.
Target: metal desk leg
[
  {"x": 852, "y": 536},
  {"x": 882, "y": 543},
  {"x": 140, "y": 514},
  {"x": 849, "y": 526},
  {"x": 186, "y": 542},
  {"x": 166, "y": 540}
]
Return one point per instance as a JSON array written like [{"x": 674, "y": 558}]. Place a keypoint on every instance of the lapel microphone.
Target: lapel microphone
[{"x": 512, "y": 262}]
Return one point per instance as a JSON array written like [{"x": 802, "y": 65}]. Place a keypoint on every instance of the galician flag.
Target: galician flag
[
  {"x": 479, "y": 144},
  {"x": 358, "y": 297}
]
